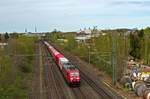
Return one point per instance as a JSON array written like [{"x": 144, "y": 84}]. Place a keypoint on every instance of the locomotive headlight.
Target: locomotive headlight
[
  {"x": 71, "y": 78},
  {"x": 78, "y": 78}
]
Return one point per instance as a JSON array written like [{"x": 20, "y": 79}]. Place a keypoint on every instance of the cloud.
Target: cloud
[
  {"x": 70, "y": 14},
  {"x": 131, "y": 2}
]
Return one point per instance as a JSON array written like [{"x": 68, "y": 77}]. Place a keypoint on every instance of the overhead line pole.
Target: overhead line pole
[
  {"x": 146, "y": 49},
  {"x": 114, "y": 57}
]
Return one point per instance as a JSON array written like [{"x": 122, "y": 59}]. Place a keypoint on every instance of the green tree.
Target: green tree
[
  {"x": 141, "y": 34},
  {"x": 136, "y": 42},
  {"x": 71, "y": 42},
  {"x": 147, "y": 30},
  {"x": 6, "y": 36}
]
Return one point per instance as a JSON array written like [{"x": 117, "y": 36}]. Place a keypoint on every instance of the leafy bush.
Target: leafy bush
[{"x": 15, "y": 70}]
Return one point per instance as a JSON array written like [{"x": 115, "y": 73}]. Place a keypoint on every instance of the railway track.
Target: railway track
[
  {"x": 82, "y": 92},
  {"x": 55, "y": 87},
  {"x": 103, "y": 94},
  {"x": 90, "y": 79},
  {"x": 58, "y": 89},
  {"x": 78, "y": 93},
  {"x": 97, "y": 89},
  {"x": 52, "y": 88}
]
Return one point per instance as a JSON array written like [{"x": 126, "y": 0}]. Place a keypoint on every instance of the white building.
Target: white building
[
  {"x": 86, "y": 34},
  {"x": 83, "y": 35}
]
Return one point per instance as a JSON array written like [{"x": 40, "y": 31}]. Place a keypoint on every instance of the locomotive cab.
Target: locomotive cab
[{"x": 73, "y": 74}]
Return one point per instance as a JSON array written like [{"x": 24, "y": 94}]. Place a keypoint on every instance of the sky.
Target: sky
[{"x": 71, "y": 15}]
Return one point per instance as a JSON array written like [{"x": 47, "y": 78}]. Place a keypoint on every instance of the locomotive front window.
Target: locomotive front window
[{"x": 71, "y": 67}]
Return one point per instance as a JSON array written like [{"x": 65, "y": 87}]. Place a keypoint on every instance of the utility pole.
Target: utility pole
[
  {"x": 146, "y": 47},
  {"x": 148, "y": 59},
  {"x": 26, "y": 30},
  {"x": 125, "y": 42},
  {"x": 114, "y": 57},
  {"x": 89, "y": 54},
  {"x": 35, "y": 29}
]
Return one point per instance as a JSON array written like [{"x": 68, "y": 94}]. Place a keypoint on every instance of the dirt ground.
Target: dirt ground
[{"x": 108, "y": 81}]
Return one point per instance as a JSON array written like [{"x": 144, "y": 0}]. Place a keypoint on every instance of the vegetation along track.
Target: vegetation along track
[{"x": 35, "y": 87}]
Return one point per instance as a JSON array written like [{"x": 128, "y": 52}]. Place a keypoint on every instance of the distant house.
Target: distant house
[
  {"x": 83, "y": 35},
  {"x": 86, "y": 34}
]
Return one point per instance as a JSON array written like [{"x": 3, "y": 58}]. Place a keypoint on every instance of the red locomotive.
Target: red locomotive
[{"x": 70, "y": 72}]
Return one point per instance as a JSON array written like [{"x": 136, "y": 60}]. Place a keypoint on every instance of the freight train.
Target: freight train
[{"x": 69, "y": 70}]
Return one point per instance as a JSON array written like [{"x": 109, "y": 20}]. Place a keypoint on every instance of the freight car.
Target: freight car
[{"x": 69, "y": 71}]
